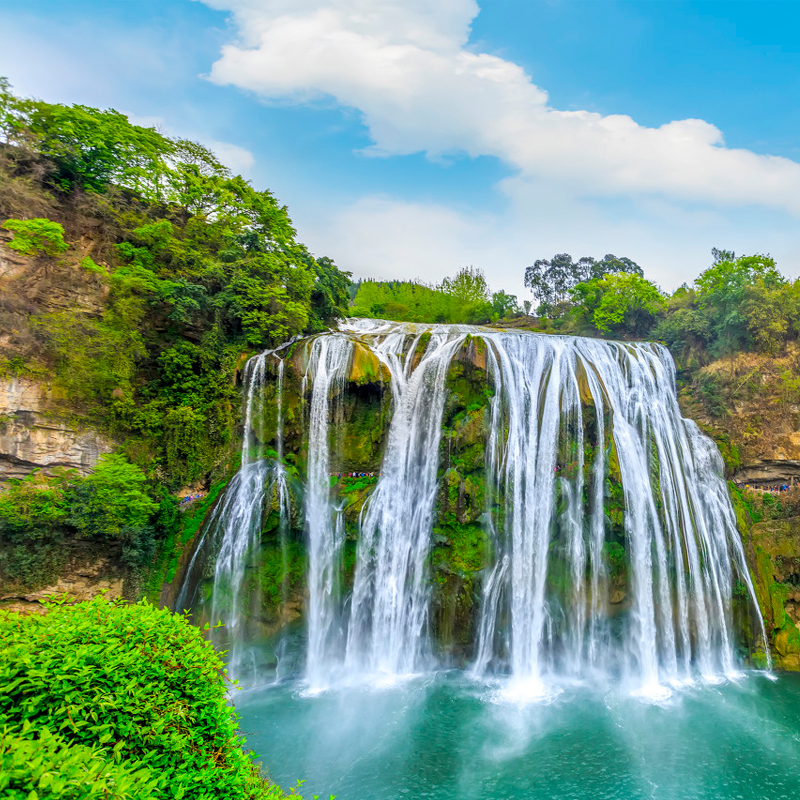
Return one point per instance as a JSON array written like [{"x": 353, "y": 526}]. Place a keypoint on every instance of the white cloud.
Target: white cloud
[
  {"x": 407, "y": 66},
  {"x": 381, "y": 237},
  {"x": 237, "y": 159}
]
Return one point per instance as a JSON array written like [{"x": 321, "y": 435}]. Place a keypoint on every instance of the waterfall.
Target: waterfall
[
  {"x": 240, "y": 517},
  {"x": 572, "y": 427},
  {"x": 233, "y": 531},
  {"x": 684, "y": 548}
]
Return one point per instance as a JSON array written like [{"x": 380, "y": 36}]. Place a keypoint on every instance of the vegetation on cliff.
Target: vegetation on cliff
[
  {"x": 195, "y": 265},
  {"x": 736, "y": 304},
  {"x": 465, "y": 298},
  {"x": 181, "y": 266}
]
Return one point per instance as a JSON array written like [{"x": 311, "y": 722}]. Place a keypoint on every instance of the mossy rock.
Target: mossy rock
[
  {"x": 461, "y": 548},
  {"x": 774, "y": 556},
  {"x": 454, "y": 612},
  {"x": 366, "y": 367},
  {"x": 357, "y": 437},
  {"x": 787, "y": 647},
  {"x": 354, "y": 492},
  {"x": 461, "y": 499}
]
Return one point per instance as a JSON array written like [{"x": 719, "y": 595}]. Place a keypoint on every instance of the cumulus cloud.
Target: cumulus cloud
[
  {"x": 238, "y": 160},
  {"x": 409, "y": 69}
]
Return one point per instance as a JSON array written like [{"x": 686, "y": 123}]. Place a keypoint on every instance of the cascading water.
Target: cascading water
[
  {"x": 330, "y": 357},
  {"x": 233, "y": 531},
  {"x": 684, "y": 547},
  {"x": 567, "y": 419},
  {"x": 240, "y": 519},
  {"x": 390, "y": 594}
]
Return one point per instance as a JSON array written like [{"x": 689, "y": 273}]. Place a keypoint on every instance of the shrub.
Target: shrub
[
  {"x": 36, "y": 237},
  {"x": 47, "y": 765},
  {"x": 102, "y": 699},
  {"x": 113, "y": 497}
]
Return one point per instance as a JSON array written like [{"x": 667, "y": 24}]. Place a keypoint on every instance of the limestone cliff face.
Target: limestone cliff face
[
  {"x": 34, "y": 436},
  {"x": 36, "y": 431},
  {"x": 750, "y": 404},
  {"x": 774, "y": 555},
  {"x": 88, "y": 569}
]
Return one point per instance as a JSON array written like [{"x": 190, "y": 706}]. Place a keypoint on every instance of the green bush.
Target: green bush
[
  {"x": 46, "y": 765},
  {"x": 36, "y": 237},
  {"x": 102, "y": 699},
  {"x": 40, "y": 514},
  {"x": 113, "y": 497},
  {"x": 465, "y": 298}
]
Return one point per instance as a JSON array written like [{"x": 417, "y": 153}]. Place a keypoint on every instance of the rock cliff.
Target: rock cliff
[
  {"x": 750, "y": 404},
  {"x": 39, "y": 427},
  {"x": 34, "y": 435},
  {"x": 774, "y": 554}
]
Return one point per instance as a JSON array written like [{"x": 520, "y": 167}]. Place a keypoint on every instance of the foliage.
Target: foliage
[
  {"x": 92, "y": 149},
  {"x": 619, "y": 303},
  {"x": 742, "y": 290},
  {"x": 552, "y": 281},
  {"x": 114, "y": 700},
  {"x": 49, "y": 766},
  {"x": 505, "y": 305},
  {"x": 464, "y": 298},
  {"x": 738, "y": 304},
  {"x": 615, "y": 559},
  {"x": 35, "y": 505},
  {"x": 113, "y": 503},
  {"x": 196, "y": 265},
  {"x": 36, "y": 237},
  {"x": 111, "y": 498}
]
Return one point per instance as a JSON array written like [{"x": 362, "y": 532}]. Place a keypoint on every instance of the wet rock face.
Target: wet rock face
[
  {"x": 32, "y": 436},
  {"x": 774, "y": 550}
]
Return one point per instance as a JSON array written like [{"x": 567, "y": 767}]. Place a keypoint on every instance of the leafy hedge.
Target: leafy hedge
[{"x": 102, "y": 699}]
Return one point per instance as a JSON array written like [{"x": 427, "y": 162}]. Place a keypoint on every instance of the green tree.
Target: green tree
[
  {"x": 92, "y": 149},
  {"x": 722, "y": 291},
  {"x": 620, "y": 303},
  {"x": 197, "y": 265},
  {"x": 113, "y": 497},
  {"x": 552, "y": 281},
  {"x": 468, "y": 296},
  {"x": 504, "y": 305}
]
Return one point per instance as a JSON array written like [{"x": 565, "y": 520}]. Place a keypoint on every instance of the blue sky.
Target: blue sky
[{"x": 410, "y": 138}]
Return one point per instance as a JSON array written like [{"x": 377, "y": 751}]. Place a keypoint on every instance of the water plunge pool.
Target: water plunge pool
[{"x": 445, "y": 737}]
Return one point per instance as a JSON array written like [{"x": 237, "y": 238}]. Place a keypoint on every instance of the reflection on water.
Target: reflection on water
[{"x": 444, "y": 737}]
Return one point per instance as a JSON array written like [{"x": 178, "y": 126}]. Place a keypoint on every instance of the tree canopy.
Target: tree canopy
[
  {"x": 551, "y": 281},
  {"x": 197, "y": 265}
]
